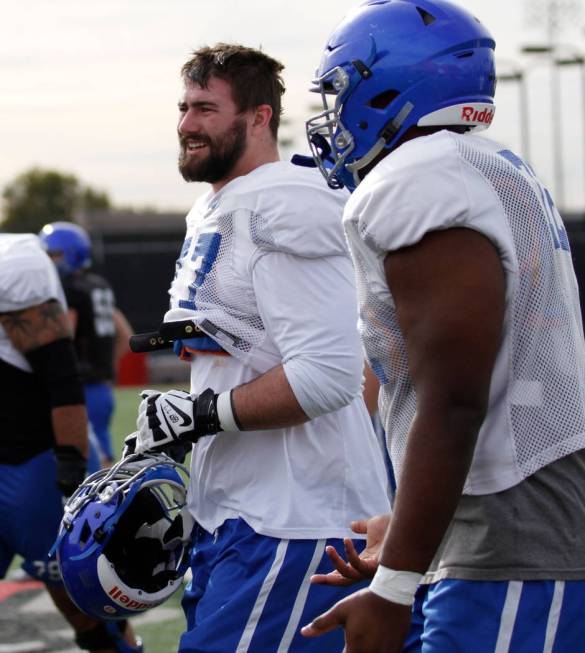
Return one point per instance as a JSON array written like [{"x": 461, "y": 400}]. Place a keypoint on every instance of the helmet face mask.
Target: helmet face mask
[
  {"x": 393, "y": 65},
  {"x": 330, "y": 142},
  {"x": 125, "y": 537}
]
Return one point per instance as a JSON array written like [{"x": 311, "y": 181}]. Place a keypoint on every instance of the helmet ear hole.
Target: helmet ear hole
[
  {"x": 85, "y": 533},
  {"x": 382, "y": 100}
]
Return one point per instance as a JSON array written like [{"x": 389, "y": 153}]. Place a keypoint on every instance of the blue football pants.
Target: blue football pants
[
  {"x": 31, "y": 508},
  {"x": 251, "y": 593},
  {"x": 459, "y": 616}
]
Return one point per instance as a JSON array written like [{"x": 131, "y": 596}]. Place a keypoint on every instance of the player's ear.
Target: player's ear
[{"x": 261, "y": 116}]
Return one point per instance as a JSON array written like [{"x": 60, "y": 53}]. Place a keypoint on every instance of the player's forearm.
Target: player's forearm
[
  {"x": 123, "y": 333},
  {"x": 439, "y": 454},
  {"x": 267, "y": 402},
  {"x": 70, "y": 427}
]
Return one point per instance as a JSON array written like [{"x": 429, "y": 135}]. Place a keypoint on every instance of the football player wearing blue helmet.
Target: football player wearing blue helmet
[
  {"x": 430, "y": 64},
  {"x": 68, "y": 244},
  {"x": 101, "y": 331},
  {"x": 43, "y": 429},
  {"x": 469, "y": 314}
]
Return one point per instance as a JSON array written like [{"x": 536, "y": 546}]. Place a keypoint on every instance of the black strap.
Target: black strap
[{"x": 164, "y": 338}]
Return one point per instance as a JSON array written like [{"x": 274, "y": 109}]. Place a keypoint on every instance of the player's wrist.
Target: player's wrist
[
  {"x": 71, "y": 468},
  {"x": 395, "y": 586},
  {"x": 226, "y": 412},
  {"x": 68, "y": 452},
  {"x": 205, "y": 417}
]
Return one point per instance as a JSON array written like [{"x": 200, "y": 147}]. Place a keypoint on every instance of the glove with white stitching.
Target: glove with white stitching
[{"x": 164, "y": 418}]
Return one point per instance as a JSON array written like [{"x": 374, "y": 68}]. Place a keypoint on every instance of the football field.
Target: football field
[{"x": 30, "y": 624}]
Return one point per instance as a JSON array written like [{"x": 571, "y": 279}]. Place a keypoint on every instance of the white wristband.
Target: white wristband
[
  {"x": 396, "y": 586},
  {"x": 225, "y": 412}
]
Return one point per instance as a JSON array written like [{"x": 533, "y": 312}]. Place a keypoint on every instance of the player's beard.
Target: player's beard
[{"x": 224, "y": 153}]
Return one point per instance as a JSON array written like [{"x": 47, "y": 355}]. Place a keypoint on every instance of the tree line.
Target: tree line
[{"x": 38, "y": 196}]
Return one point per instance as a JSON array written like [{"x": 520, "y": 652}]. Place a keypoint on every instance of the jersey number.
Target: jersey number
[
  {"x": 204, "y": 255},
  {"x": 103, "y": 310},
  {"x": 558, "y": 232}
]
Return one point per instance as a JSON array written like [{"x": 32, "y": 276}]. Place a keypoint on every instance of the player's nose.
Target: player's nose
[{"x": 188, "y": 124}]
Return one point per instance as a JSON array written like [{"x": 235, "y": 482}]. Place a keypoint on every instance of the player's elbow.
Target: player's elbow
[{"x": 325, "y": 384}]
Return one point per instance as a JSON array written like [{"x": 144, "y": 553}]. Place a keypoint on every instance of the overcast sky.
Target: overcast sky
[{"x": 91, "y": 87}]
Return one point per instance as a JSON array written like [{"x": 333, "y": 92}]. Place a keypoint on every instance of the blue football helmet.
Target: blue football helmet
[
  {"x": 125, "y": 537},
  {"x": 391, "y": 65},
  {"x": 71, "y": 242}
]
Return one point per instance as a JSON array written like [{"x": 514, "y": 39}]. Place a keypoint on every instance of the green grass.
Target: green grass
[{"x": 163, "y": 636}]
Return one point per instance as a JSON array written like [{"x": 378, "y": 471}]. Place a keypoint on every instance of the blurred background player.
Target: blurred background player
[
  {"x": 43, "y": 428},
  {"x": 470, "y": 318},
  {"x": 283, "y": 435},
  {"x": 101, "y": 331}
]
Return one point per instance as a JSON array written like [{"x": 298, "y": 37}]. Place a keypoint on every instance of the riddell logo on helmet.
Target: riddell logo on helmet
[
  {"x": 471, "y": 114},
  {"x": 120, "y": 598}
]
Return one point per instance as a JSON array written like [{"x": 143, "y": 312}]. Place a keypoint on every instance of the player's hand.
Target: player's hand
[
  {"x": 129, "y": 444},
  {"x": 371, "y": 623},
  {"x": 174, "y": 416},
  {"x": 71, "y": 469},
  {"x": 176, "y": 450},
  {"x": 358, "y": 567}
]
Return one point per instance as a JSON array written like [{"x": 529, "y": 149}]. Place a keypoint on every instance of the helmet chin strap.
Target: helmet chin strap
[{"x": 388, "y": 132}]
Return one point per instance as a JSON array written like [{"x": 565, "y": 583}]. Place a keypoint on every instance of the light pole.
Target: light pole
[
  {"x": 555, "y": 92},
  {"x": 556, "y": 61},
  {"x": 519, "y": 77},
  {"x": 554, "y": 16},
  {"x": 577, "y": 60}
]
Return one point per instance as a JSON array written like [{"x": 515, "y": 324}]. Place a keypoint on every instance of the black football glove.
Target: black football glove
[
  {"x": 175, "y": 416},
  {"x": 71, "y": 469}
]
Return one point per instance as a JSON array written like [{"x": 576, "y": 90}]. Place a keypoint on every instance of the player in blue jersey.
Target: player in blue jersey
[
  {"x": 281, "y": 433},
  {"x": 101, "y": 331},
  {"x": 43, "y": 428},
  {"x": 470, "y": 319}
]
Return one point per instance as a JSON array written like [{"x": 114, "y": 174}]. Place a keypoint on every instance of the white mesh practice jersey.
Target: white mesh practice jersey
[
  {"x": 537, "y": 395},
  {"x": 27, "y": 277},
  {"x": 266, "y": 273}
]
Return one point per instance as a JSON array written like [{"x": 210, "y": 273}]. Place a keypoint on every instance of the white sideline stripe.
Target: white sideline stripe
[
  {"x": 63, "y": 633},
  {"x": 508, "y": 618},
  {"x": 267, "y": 585},
  {"x": 297, "y": 610},
  {"x": 553, "y": 616},
  {"x": 40, "y": 604},
  {"x": 23, "y": 647}
]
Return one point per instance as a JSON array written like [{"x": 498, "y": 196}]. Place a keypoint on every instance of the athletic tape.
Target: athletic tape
[{"x": 396, "y": 586}]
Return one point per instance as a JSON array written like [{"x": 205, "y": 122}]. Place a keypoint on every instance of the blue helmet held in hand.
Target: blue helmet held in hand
[
  {"x": 124, "y": 541},
  {"x": 391, "y": 65},
  {"x": 69, "y": 243}
]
